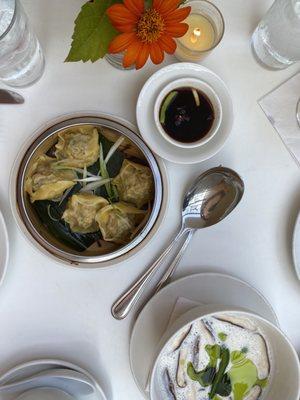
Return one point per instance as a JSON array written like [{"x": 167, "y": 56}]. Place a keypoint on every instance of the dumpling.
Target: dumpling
[
  {"x": 78, "y": 146},
  {"x": 117, "y": 221},
  {"x": 81, "y": 211},
  {"x": 43, "y": 182},
  {"x": 135, "y": 183}
]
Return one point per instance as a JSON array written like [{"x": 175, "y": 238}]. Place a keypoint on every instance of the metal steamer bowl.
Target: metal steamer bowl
[{"x": 38, "y": 234}]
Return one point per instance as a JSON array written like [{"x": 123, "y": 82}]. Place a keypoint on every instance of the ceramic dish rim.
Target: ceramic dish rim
[
  {"x": 51, "y": 361},
  {"x": 6, "y": 246}
]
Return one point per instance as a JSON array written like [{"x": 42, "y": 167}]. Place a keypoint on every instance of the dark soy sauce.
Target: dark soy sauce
[{"x": 187, "y": 115}]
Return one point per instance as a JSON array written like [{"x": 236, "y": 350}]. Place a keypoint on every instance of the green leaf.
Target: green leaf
[
  {"x": 204, "y": 377},
  {"x": 225, "y": 357},
  {"x": 224, "y": 386},
  {"x": 93, "y": 32}
]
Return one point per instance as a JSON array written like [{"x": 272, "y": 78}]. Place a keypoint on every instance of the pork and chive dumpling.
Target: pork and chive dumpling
[
  {"x": 44, "y": 182},
  {"x": 81, "y": 211},
  {"x": 135, "y": 183},
  {"x": 78, "y": 146},
  {"x": 118, "y": 221}
]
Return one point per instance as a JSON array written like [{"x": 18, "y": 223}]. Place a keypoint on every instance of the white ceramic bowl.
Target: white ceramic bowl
[
  {"x": 202, "y": 87},
  {"x": 45, "y": 394},
  {"x": 285, "y": 362}
]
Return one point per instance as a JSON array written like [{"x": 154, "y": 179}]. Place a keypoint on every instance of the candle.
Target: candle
[
  {"x": 206, "y": 28},
  {"x": 201, "y": 34}
]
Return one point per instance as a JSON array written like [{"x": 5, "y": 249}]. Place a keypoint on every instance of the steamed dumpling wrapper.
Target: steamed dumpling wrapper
[
  {"x": 118, "y": 221},
  {"x": 78, "y": 146},
  {"x": 81, "y": 211},
  {"x": 135, "y": 183},
  {"x": 44, "y": 182}
]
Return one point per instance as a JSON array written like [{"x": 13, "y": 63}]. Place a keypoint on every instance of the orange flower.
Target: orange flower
[{"x": 146, "y": 32}]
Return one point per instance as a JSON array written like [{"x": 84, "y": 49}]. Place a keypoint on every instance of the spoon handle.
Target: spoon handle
[
  {"x": 172, "y": 268},
  {"x": 124, "y": 304}
]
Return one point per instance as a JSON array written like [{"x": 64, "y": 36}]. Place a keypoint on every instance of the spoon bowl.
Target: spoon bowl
[{"x": 211, "y": 198}]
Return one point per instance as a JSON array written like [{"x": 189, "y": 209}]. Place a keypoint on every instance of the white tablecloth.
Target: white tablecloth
[{"x": 48, "y": 310}]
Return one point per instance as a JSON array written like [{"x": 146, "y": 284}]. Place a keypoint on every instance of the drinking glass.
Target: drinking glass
[
  {"x": 21, "y": 57},
  {"x": 276, "y": 40}
]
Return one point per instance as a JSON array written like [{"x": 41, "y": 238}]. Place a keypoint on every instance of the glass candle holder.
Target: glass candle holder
[
  {"x": 21, "y": 57},
  {"x": 116, "y": 60},
  {"x": 206, "y": 30}
]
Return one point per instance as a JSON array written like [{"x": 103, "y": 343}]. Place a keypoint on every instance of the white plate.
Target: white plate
[
  {"x": 145, "y": 113},
  {"x": 32, "y": 367},
  {"x": 296, "y": 246},
  {"x": 204, "y": 288},
  {"x": 4, "y": 248}
]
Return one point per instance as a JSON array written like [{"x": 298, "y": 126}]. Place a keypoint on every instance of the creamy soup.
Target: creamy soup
[{"x": 222, "y": 357}]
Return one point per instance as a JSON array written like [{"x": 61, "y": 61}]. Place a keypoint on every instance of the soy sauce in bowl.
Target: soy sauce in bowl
[{"x": 186, "y": 115}]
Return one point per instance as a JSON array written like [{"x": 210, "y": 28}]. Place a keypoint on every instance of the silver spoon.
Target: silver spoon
[
  {"x": 80, "y": 383},
  {"x": 213, "y": 196},
  {"x": 298, "y": 112}
]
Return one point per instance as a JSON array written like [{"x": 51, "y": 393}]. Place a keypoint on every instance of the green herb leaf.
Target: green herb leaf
[
  {"x": 93, "y": 32},
  {"x": 204, "y": 377},
  {"x": 224, "y": 386},
  {"x": 225, "y": 357},
  {"x": 213, "y": 352},
  {"x": 222, "y": 336},
  {"x": 168, "y": 100}
]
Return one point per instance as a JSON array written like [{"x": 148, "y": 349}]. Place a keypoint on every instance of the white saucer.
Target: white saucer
[
  {"x": 296, "y": 246},
  {"x": 45, "y": 394},
  {"x": 4, "y": 248},
  {"x": 25, "y": 370},
  {"x": 145, "y": 113},
  {"x": 204, "y": 288}
]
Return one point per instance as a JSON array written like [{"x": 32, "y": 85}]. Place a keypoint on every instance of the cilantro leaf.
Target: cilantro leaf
[{"x": 93, "y": 32}]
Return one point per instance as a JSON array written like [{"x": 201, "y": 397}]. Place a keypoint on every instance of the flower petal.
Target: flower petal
[
  {"x": 167, "y": 44},
  {"x": 178, "y": 15},
  {"x": 157, "y": 4},
  {"x": 156, "y": 53},
  {"x": 121, "y": 42},
  {"x": 125, "y": 27},
  {"x": 119, "y": 14},
  {"x": 167, "y": 6},
  {"x": 132, "y": 53},
  {"x": 143, "y": 56},
  {"x": 135, "y": 6},
  {"x": 177, "y": 30}
]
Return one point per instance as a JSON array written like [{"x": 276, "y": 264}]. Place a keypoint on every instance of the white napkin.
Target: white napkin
[
  {"x": 181, "y": 306},
  {"x": 280, "y": 108}
]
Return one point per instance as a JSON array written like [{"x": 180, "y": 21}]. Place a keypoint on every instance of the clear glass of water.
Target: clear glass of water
[
  {"x": 21, "y": 57},
  {"x": 276, "y": 40}
]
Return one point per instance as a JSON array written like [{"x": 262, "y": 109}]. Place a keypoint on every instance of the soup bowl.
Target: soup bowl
[
  {"x": 283, "y": 361},
  {"x": 45, "y": 240},
  {"x": 201, "y": 86}
]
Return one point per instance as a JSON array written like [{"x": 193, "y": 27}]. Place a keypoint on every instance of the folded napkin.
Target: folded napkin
[
  {"x": 181, "y": 306},
  {"x": 280, "y": 108}
]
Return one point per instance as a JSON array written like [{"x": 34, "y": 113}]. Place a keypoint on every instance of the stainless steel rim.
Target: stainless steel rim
[{"x": 74, "y": 258}]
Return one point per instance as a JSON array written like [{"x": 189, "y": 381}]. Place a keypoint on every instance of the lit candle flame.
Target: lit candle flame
[{"x": 196, "y": 34}]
